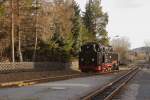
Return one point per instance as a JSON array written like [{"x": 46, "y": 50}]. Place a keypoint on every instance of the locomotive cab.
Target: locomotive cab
[{"x": 90, "y": 57}]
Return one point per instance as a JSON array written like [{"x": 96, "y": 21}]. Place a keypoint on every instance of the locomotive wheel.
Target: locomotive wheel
[
  {"x": 106, "y": 70},
  {"x": 84, "y": 71},
  {"x": 103, "y": 70},
  {"x": 117, "y": 67},
  {"x": 109, "y": 69},
  {"x": 114, "y": 67}
]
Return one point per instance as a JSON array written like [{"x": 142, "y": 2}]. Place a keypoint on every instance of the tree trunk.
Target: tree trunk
[
  {"x": 12, "y": 31},
  {"x": 36, "y": 34},
  {"x": 35, "y": 47},
  {"x": 19, "y": 47},
  {"x": 19, "y": 34}
]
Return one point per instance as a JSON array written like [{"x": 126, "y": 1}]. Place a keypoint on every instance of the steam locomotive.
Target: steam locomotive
[{"x": 97, "y": 58}]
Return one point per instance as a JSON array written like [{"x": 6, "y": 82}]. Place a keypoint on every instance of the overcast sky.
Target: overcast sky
[{"x": 129, "y": 18}]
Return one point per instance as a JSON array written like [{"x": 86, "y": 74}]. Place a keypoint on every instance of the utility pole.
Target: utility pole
[{"x": 12, "y": 31}]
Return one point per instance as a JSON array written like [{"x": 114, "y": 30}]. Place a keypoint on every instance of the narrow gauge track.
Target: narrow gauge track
[
  {"x": 48, "y": 79},
  {"x": 110, "y": 90}
]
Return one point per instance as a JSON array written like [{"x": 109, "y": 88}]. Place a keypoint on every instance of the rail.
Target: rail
[{"x": 111, "y": 89}]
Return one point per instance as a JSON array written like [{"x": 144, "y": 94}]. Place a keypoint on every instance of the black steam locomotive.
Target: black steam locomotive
[{"x": 97, "y": 58}]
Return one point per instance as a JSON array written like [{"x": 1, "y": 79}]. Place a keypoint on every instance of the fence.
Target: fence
[{"x": 34, "y": 66}]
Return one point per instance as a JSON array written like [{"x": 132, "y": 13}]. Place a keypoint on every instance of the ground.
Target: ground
[
  {"x": 71, "y": 89},
  {"x": 138, "y": 88}
]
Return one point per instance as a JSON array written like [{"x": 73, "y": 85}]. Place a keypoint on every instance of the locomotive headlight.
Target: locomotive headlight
[
  {"x": 110, "y": 57},
  {"x": 82, "y": 59},
  {"x": 93, "y": 59}
]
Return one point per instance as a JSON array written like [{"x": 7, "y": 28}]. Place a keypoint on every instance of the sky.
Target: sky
[{"x": 127, "y": 18}]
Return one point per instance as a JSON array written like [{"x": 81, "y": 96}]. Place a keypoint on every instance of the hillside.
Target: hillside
[{"x": 141, "y": 49}]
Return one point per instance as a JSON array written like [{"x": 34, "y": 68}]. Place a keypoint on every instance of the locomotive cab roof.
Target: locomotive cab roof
[
  {"x": 95, "y": 46},
  {"x": 91, "y": 46}
]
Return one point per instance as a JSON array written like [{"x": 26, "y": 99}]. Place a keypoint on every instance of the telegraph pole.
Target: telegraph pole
[{"x": 12, "y": 31}]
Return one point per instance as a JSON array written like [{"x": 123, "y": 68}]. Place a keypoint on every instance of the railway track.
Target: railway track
[
  {"x": 110, "y": 90},
  {"x": 48, "y": 79}
]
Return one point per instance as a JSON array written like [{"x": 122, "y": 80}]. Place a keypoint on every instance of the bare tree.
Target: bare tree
[
  {"x": 36, "y": 31},
  {"x": 12, "y": 30},
  {"x": 147, "y": 50},
  {"x": 122, "y": 46},
  {"x": 18, "y": 31},
  {"x": 23, "y": 26}
]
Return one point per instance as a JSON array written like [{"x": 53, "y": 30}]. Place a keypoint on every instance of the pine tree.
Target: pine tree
[
  {"x": 76, "y": 26},
  {"x": 95, "y": 21},
  {"x": 101, "y": 30},
  {"x": 88, "y": 18},
  {"x": 57, "y": 38}
]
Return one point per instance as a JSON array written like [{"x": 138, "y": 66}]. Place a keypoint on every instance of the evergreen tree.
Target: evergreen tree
[
  {"x": 76, "y": 26},
  {"x": 88, "y": 18},
  {"x": 57, "y": 38},
  {"x": 101, "y": 30},
  {"x": 95, "y": 21},
  {"x": 2, "y": 9}
]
